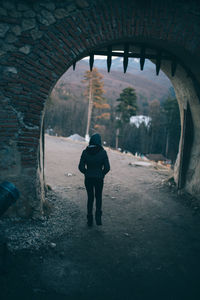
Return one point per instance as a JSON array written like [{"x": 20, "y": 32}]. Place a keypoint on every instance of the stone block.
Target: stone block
[
  {"x": 48, "y": 5},
  {"x": 29, "y": 14},
  {"x": 71, "y": 8},
  {"x": 48, "y": 16},
  {"x": 3, "y": 29},
  {"x": 81, "y": 3},
  {"x": 45, "y": 21},
  {"x": 28, "y": 24},
  {"x": 61, "y": 13},
  {"x": 25, "y": 49},
  {"x": 9, "y": 47},
  {"x": 36, "y": 7},
  {"x": 36, "y": 34},
  {"x": 16, "y": 30},
  {"x": 14, "y": 13},
  {"x": 11, "y": 70},
  {"x": 42, "y": 20},
  {"x": 22, "y": 7},
  {"x": 11, "y": 38}
]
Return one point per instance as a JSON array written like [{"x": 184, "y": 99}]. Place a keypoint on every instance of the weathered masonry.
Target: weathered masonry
[{"x": 40, "y": 40}]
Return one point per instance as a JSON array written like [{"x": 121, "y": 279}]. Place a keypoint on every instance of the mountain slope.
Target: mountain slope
[{"x": 146, "y": 83}]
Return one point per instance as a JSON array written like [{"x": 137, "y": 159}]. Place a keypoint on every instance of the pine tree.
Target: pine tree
[
  {"x": 125, "y": 109},
  {"x": 97, "y": 103}
]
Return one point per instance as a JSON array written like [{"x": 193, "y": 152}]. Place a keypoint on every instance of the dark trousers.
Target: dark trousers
[{"x": 94, "y": 187}]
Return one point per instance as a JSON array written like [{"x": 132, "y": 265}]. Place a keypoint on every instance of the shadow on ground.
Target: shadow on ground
[{"x": 147, "y": 248}]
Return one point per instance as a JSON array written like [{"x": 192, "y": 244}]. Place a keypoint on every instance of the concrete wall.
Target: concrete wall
[{"x": 40, "y": 40}]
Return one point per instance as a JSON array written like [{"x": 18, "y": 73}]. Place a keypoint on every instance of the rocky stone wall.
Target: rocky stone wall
[{"x": 39, "y": 41}]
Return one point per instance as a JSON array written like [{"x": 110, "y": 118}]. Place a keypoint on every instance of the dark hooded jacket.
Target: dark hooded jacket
[{"x": 94, "y": 161}]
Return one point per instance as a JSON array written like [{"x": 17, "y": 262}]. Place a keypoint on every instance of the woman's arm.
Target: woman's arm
[
  {"x": 81, "y": 165},
  {"x": 106, "y": 165}
]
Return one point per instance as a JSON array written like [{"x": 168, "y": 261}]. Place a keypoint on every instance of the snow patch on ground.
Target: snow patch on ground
[
  {"x": 76, "y": 137},
  {"x": 141, "y": 164}
]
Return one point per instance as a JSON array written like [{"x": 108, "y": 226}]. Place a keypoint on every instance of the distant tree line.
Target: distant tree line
[
  {"x": 64, "y": 114},
  {"x": 161, "y": 136},
  {"x": 67, "y": 115}
]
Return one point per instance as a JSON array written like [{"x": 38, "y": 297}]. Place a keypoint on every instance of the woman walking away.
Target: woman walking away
[{"x": 94, "y": 164}]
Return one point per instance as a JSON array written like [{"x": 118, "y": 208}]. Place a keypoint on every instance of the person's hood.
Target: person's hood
[
  {"x": 94, "y": 144},
  {"x": 93, "y": 149},
  {"x": 95, "y": 139}
]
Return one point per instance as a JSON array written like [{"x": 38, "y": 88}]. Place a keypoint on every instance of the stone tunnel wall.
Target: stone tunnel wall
[
  {"x": 40, "y": 40},
  {"x": 187, "y": 92}
]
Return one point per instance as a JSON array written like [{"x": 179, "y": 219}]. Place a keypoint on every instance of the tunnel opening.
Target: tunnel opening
[
  {"x": 139, "y": 52},
  {"x": 36, "y": 55},
  {"x": 149, "y": 246},
  {"x": 168, "y": 63},
  {"x": 107, "y": 81}
]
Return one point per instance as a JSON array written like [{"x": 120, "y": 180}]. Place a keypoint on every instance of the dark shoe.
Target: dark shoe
[
  {"x": 98, "y": 218},
  {"x": 90, "y": 220}
]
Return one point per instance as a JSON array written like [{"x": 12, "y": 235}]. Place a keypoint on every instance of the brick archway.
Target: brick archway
[{"x": 41, "y": 40}]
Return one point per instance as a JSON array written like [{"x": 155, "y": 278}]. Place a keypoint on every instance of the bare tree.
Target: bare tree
[{"x": 94, "y": 91}]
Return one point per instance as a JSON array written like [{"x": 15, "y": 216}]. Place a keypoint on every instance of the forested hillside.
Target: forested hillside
[
  {"x": 67, "y": 108},
  {"x": 147, "y": 84}
]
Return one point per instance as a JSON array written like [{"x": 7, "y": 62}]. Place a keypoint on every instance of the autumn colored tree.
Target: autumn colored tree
[
  {"x": 126, "y": 108},
  {"x": 96, "y": 102}
]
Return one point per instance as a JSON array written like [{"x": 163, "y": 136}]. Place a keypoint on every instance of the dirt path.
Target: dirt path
[{"x": 147, "y": 248}]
